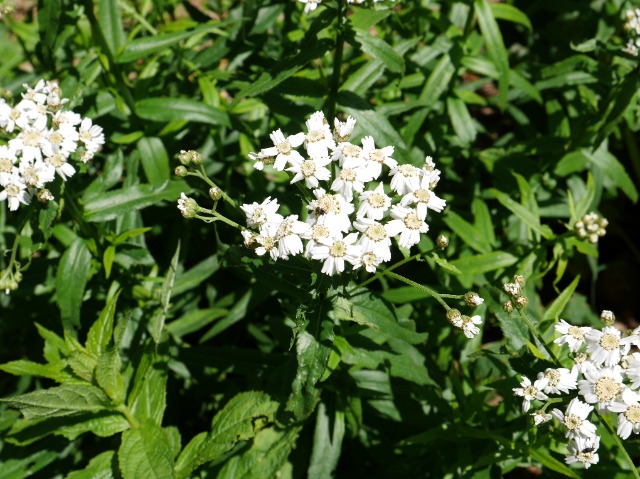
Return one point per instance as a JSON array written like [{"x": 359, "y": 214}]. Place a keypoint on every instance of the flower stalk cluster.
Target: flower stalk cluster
[
  {"x": 352, "y": 215},
  {"x": 43, "y": 136},
  {"x": 591, "y": 227},
  {"x": 604, "y": 377}
]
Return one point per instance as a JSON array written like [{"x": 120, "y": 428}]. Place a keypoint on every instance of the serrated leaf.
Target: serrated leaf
[
  {"x": 82, "y": 364},
  {"x": 46, "y": 218},
  {"x": 148, "y": 396},
  {"x": 60, "y": 401},
  {"x": 181, "y": 109},
  {"x": 100, "y": 333},
  {"x": 145, "y": 452},
  {"x": 327, "y": 443},
  {"x": 380, "y": 50},
  {"x": 108, "y": 375},
  {"x": 483, "y": 263},
  {"x": 113, "y": 204},
  {"x": 23, "y": 367},
  {"x": 100, "y": 467},
  {"x": 71, "y": 278},
  {"x": 156, "y": 323}
]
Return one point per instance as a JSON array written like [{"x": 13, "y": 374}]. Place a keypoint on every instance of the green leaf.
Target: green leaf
[
  {"x": 471, "y": 235},
  {"x": 181, "y": 109},
  {"x": 461, "y": 120},
  {"x": 195, "y": 320},
  {"x": 23, "y": 367},
  {"x": 239, "y": 420},
  {"x": 195, "y": 276},
  {"x": 108, "y": 375},
  {"x": 542, "y": 455},
  {"x": 572, "y": 162},
  {"x": 613, "y": 170},
  {"x": 483, "y": 221},
  {"x": 110, "y": 23},
  {"x": 71, "y": 278},
  {"x": 46, "y": 217},
  {"x": 49, "y": 14},
  {"x": 327, "y": 443},
  {"x": 495, "y": 47},
  {"x": 143, "y": 47},
  {"x": 100, "y": 333},
  {"x": 504, "y": 11},
  {"x": 554, "y": 310},
  {"x": 156, "y": 323},
  {"x": 112, "y": 204},
  {"x": 60, "y": 401},
  {"x": 100, "y": 467},
  {"x": 154, "y": 159},
  {"x": 380, "y": 50},
  {"x": 148, "y": 396},
  {"x": 364, "y": 18},
  {"x": 444, "y": 264},
  {"x": 528, "y": 217},
  {"x": 584, "y": 203},
  {"x": 145, "y": 453},
  {"x": 107, "y": 259},
  {"x": 483, "y": 263}
]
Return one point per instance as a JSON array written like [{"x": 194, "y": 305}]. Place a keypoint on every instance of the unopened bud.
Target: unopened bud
[
  {"x": 519, "y": 279},
  {"x": 512, "y": 289},
  {"x": 181, "y": 171},
  {"x": 442, "y": 241},
  {"x": 184, "y": 157},
  {"x": 607, "y": 317},
  {"x": 215, "y": 193},
  {"x": 454, "y": 317},
  {"x": 196, "y": 158},
  {"x": 521, "y": 302},
  {"x": 248, "y": 238},
  {"x": 44, "y": 196},
  {"x": 187, "y": 206},
  {"x": 508, "y": 307},
  {"x": 473, "y": 299}
]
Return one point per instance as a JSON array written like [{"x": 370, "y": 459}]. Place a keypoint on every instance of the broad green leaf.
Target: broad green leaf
[
  {"x": 23, "y": 367},
  {"x": 195, "y": 320},
  {"x": 483, "y": 221},
  {"x": 60, "y": 401},
  {"x": 54, "y": 346},
  {"x": 111, "y": 24},
  {"x": 71, "y": 279},
  {"x": 268, "y": 453},
  {"x": 327, "y": 443},
  {"x": 156, "y": 323},
  {"x": 367, "y": 309},
  {"x": 181, "y": 109},
  {"x": 240, "y": 419},
  {"x": 195, "y": 276},
  {"x": 483, "y": 263},
  {"x": 554, "y": 310},
  {"x": 100, "y": 333},
  {"x": 461, "y": 120},
  {"x": 100, "y": 467},
  {"x": 613, "y": 170},
  {"x": 154, "y": 159},
  {"x": 108, "y": 375},
  {"x": 143, "y": 47},
  {"x": 107, "y": 259},
  {"x": 504, "y": 11},
  {"x": 528, "y": 217},
  {"x": 495, "y": 47},
  {"x": 112, "y": 204},
  {"x": 471, "y": 235},
  {"x": 46, "y": 217},
  {"x": 380, "y": 50},
  {"x": 552, "y": 463},
  {"x": 364, "y": 18},
  {"x": 145, "y": 453},
  {"x": 438, "y": 82},
  {"x": 572, "y": 162},
  {"x": 148, "y": 396},
  {"x": 82, "y": 364}
]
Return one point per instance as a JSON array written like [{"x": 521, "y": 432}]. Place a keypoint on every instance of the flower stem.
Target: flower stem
[
  {"x": 203, "y": 175},
  {"x": 419, "y": 286},
  {"x": 379, "y": 274},
  {"x": 618, "y": 442},
  {"x": 538, "y": 336}
]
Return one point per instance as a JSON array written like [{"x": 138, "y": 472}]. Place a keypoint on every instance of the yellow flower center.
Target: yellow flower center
[{"x": 607, "y": 389}]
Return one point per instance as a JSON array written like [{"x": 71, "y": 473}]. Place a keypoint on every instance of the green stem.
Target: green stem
[
  {"x": 379, "y": 274},
  {"x": 419, "y": 286},
  {"x": 337, "y": 64},
  {"x": 618, "y": 442},
  {"x": 538, "y": 336},
  {"x": 128, "y": 414},
  {"x": 203, "y": 175}
]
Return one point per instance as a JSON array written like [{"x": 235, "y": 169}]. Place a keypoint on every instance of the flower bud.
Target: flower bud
[
  {"x": 442, "y": 241},
  {"x": 512, "y": 289},
  {"x": 519, "y": 279},
  {"x": 215, "y": 193},
  {"x": 180, "y": 171},
  {"x": 473, "y": 299},
  {"x": 508, "y": 307},
  {"x": 607, "y": 317},
  {"x": 196, "y": 158},
  {"x": 521, "y": 302},
  {"x": 454, "y": 317},
  {"x": 184, "y": 157},
  {"x": 44, "y": 196},
  {"x": 187, "y": 206}
]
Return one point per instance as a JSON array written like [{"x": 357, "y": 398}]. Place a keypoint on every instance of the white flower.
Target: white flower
[
  {"x": 628, "y": 409},
  {"x": 15, "y": 191},
  {"x": 375, "y": 238},
  {"x": 575, "y": 419},
  {"x": 59, "y": 161},
  {"x": 318, "y": 140},
  {"x": 310, "y": 5},
  {"x": 373, "y": 203},
  {"x": 469, "y": 327},
  {"x": 348, "y": 155},
  {"x": 582, "y": 364},
  {"x": 633, "y": 370},
  {"x": 369, "y": 260},
  {"x": 633, "y": 339},
  {"x": 540, "y": 417},
  {"x": 335, "y": 251},
  {"x": 31, "y": 143},
  {"x": 573, "y": 336},
  {"x": 12, "y": 117},
  {"x": 407, "y": 224},
  {"x": 529, "y": 392},
  {"x": 283, "y": 149},
  {"x": 261, "y": 160},
  {"x": 67, "y": 117},
  {"x": 342, "y": 130},
  {"x": 289, "y": 236},
  {"x": 35, "y": 175},
  {"x": 311, "y": 171},
  {"x": 316, "y": 233},
  {"x": 330, "y": 210},
  {"x": 583, "y": 450},
  {"x": 261, "y": 214},
  {"x": 423, "y": 198},
  {"x": 348, "y": 180},
  {"x": 8, "y": 159},
  {"x": 602, "y": 385},
  {"x": 377, "y": 157},
  {"x": 405, "y": 179},
  {"x": 64, "y": 139},
  {"x": 91, "y": 135},
  {"x": 604, "y": 346},
  {"x": 268, "y": 240},
  {"x": 558, "y": 380}
]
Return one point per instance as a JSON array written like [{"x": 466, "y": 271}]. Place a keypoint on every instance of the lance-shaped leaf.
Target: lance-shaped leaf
[{"x": 146, "y": 452}]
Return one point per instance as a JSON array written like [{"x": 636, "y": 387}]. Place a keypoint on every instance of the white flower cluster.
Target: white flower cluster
[
  {"x": 43, "y": 138},
  {"x": 604, "y": 373},
  {"x": 351, "y": 218},
  {"x": 311, "y": 5},
  {"x": 633, "y": 27},
  {"x": 591, "y": 226}
]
